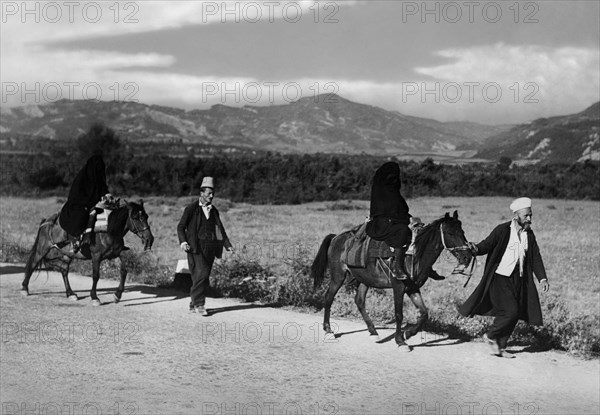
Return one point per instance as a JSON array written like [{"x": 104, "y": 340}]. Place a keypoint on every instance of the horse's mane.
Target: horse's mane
[
  {"x": 117, "y": 220},
  {"x": 429, "y": 232}
]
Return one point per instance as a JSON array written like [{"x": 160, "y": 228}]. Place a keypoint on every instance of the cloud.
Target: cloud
[{"x": 544, "y": 79}]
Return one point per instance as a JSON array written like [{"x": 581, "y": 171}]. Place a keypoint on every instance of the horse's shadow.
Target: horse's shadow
[
  {"x": 439, "y": 341},
  {"x": 12, "y": 269},
  {"x": 152, "y": 294},
  {"x": 248, "y": 306}
]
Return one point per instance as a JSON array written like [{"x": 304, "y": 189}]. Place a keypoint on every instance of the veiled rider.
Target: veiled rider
[
  {"x": 89, "y": 192},
  {"x": 389, "y": 215}
]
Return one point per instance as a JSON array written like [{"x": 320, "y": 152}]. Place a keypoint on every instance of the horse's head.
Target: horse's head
[
  {"x": 137, "y": 222},
  {"x": 454, "y": 240}
]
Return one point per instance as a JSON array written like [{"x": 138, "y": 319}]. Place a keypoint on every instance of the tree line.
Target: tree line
[{"x": 274, "y": 178}]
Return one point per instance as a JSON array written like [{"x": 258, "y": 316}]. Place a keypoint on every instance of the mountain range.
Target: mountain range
[{"x": 326, "y": 123}]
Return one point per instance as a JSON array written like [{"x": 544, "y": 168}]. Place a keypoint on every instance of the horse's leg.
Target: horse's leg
[
  {"x": 412, "y": 329},
  {"x": 95, "y": 278},
  {"x": 338, "y": 275},
  {"x": 64, "y": 270},
  {"x": 398, "y": 289},
  {"x": 121, "y": 287},
  {"x": 360, "y": 300}
]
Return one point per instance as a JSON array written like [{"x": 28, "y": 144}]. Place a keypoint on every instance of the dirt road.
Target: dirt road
[{"x": 148, "y": 355}]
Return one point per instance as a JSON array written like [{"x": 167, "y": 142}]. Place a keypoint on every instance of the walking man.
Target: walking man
[
  {"x": 507, "y": 290},
  {"x": 202, "y": 235}
]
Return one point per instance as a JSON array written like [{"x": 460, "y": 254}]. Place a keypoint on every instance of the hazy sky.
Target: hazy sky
[{"x": 484, "y": 61}]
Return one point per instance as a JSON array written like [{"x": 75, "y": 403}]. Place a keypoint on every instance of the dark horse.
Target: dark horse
[
  {"x": 51, "y": 249},
  {"x": 444, "y": 233}
]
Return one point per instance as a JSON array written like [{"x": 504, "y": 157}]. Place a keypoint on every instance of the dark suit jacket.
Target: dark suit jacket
[
  {"x": 495, "y": 245},
  {"x": 187, "y": 231}
]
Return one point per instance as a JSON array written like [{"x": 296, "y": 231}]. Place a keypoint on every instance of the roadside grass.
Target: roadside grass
[{"x": 275, "y": 245}]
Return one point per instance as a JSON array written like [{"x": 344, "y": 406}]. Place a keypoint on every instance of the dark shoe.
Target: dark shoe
[
  {"x": 435, "y": 276},
  {"x": 493, "y": 345}
]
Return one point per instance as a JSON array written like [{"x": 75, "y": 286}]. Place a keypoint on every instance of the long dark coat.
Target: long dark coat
[
  {"x": 189, "y": 227},
  {"x": 495, "y": 246},
  {"x": 87, "y": 189},
  {"x": 389, "y": 211}
]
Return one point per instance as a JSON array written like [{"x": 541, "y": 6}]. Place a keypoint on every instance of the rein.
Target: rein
[{"x": 459, "y": 248}]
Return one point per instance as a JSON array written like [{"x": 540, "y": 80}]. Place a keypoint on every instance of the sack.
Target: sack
[{"x": 101, "y": 224}]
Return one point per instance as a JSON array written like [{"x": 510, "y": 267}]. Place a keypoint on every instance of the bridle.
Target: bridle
[
  {"x": 459, "y": 248},
  {"x": 135, "y": 229}
]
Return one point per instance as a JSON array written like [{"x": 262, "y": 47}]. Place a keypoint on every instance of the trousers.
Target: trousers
[
  {"x": 506, "y": 297},
  {"x": 200, "y": 267}
]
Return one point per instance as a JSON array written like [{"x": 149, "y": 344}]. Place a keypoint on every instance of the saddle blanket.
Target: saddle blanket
[{"x": 360, "y": 247}]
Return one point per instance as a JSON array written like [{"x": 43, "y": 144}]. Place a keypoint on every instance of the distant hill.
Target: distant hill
[
  {"x": 568, "y": 138},
  {"x": 327, "y": 123}
]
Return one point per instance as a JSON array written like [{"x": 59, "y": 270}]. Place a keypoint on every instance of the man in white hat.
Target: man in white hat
[
  {"x": 202, "y": 235},
  {"x": 507, "y": 289}
]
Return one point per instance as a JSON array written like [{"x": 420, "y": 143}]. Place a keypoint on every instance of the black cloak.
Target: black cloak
[
  {"x": 87, "y": 189},
  {"x": 389, "y": 212},
  {"x": 494, "y": 245}
]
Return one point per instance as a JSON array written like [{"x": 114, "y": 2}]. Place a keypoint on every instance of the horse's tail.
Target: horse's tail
[
  {"x": 319, "y": 265},
  {"x": 35, "y": 256}
]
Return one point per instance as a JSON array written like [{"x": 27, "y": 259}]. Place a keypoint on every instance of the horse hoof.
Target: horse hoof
[
  {"x": 116, "y": 298},
  {"x": 96, "y": 302},
  {"x": 73, "y": 297},
  {"x": 405, "y": 348},
  {"x": 24, "y": 293},
  {"x": 374, "y": 337}
]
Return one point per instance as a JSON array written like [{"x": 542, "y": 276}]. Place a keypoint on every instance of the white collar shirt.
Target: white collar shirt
[
  {"x": 515, "y": 251},
  {"x": 206, "y": 209}
]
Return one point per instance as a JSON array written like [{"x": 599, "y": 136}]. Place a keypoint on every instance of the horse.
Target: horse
[
  {"x": 52, "y": 248},
  {"x": 443, "y": 233}
]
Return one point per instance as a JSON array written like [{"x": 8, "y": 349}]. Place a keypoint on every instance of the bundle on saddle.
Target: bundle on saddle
[{"x": 361, "y": 248}]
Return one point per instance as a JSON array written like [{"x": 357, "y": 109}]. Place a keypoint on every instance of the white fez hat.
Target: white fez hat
[
  {"x": 207, "y": 182},
  {"x": 520, "y": 203}
]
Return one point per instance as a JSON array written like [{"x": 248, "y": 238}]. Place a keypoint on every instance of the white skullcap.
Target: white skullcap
[{"x": 520, "y": 203}]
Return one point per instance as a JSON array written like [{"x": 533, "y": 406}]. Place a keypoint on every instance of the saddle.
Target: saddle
[{"x": 361, "y": 247}]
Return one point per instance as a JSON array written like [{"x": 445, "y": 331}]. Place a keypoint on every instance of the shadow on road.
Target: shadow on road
[
  {"x": 213, "y": 311},
  {"x": 12, "y": 269}
]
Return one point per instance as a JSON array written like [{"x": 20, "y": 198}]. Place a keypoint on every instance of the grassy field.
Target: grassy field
[{"x": 276, "y": 244}]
